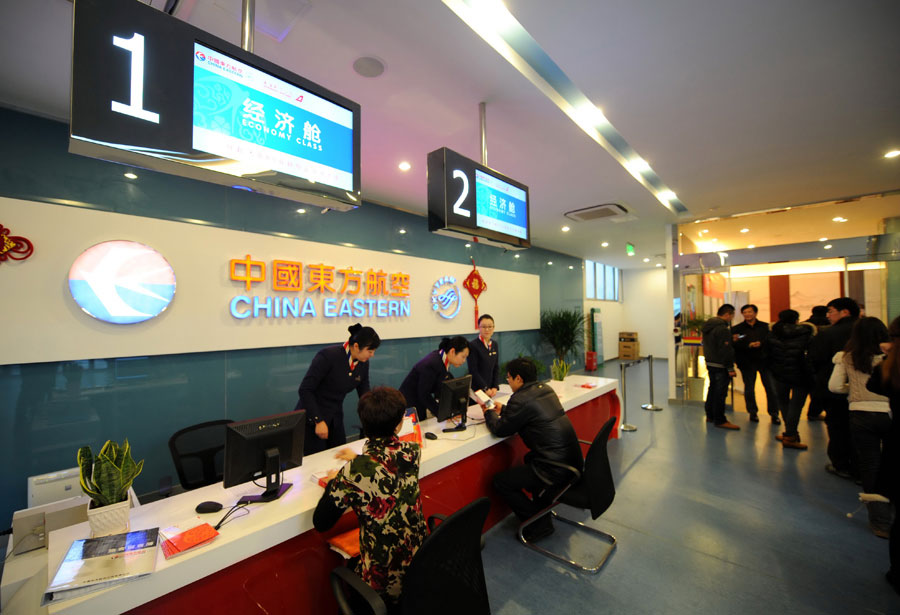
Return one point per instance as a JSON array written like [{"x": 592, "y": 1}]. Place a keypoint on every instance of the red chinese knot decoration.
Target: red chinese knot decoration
[
  {"x": 476, "y": 285},
  {"x": 13, "y": 247}
]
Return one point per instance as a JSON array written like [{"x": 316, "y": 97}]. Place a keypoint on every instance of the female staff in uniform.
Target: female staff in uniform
[
  {"x": 334, "y": 372},
  {"x": 484, "y": 358},
  {"x": 422, "y": 386}
]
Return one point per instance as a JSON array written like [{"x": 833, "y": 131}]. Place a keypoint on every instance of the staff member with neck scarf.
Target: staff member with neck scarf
[
  {"x": 484, "y": 358},
  {"x": 422, "y": 386},
  {"x": 334, "y": 372}
]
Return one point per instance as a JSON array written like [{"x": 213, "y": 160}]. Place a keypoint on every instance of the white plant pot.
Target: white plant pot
[{"x": 112, "y": 519}]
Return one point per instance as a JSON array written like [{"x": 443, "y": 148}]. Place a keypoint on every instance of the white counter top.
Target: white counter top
[{"x": 267, "y": 524}]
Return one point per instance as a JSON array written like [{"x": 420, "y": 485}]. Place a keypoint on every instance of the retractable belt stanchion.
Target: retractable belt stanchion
[
  {"x": 651, "y": 405},
  {"x": 625, "y": 425}
]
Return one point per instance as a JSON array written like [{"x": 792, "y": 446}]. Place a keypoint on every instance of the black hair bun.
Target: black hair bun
[{"x": 354, "y": 329}]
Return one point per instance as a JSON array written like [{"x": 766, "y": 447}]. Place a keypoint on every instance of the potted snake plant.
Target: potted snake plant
[
  {"x": 107, "y": 479},
  {"x": 564, "y": 331}
]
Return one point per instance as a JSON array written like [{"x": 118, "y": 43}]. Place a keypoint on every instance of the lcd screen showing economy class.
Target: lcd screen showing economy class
[
  {"x": 154, "y": 92},
  {"x": 247, "y": 115},
  {"x": 500, "y": 206}
]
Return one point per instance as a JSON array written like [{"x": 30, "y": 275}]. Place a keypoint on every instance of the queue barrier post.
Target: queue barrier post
[
  {"x": 651, "y": 405},
  {"x": 625, "y": 425}
]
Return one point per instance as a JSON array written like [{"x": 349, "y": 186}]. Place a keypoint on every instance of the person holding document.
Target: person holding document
[
  {"x": 334, "y": 372},
  {"x": 484, "y": 358},
  {"x": 533, "y": 412},
  {"x": 422, "y": 386}
]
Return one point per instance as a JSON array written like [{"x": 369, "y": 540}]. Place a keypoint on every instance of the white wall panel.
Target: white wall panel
[{"x": 43, "y": 323}]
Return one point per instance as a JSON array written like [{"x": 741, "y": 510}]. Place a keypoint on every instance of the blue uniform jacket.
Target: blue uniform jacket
[
  {"x": 327, "y": 383},
  {"x": 484, "y": 365},
  {"x": 422, "y": 385}
]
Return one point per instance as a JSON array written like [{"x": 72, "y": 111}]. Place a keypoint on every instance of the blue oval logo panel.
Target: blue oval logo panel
[{"x": 122, "y": 282}]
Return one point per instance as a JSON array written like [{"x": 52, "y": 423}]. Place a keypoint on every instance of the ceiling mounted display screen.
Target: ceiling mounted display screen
[
  {"x": 152, "y": 91},
  {"x": 467, "y": 199}
]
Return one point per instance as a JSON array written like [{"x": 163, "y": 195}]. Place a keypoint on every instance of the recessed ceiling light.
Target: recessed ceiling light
[
  {"x": 515, "y": 256},
  {"x": 659, "y": 264},
  {"x": 646, "y": 260},
  {"x": 605, "y": 244},
  {"x": 468, "y": 245},
  {"x": 402, "y": 231},
  {"x": 827, "y": 246},
  {"x": 745, "y": 230},
  {"x": 571, "y": 267},
  {"x": 712, "y": 270},
  {"x": 677, "y": 265},
  {"x": 130, "y": 175},
  {"x": 893, "y": 153},
  {"x": 549, "y": 262},
  {"x": 751, "y": 246},
  {"x": 301, "y": 211},
  {"x": 404, "y": 166},
  {"x": 839, "y": 219},
  {"x": 566, "y": 229}
]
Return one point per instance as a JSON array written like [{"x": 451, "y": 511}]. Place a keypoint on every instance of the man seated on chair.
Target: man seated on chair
[
  {"x": 382, "y": 488},
  {"x": 534, "y": 412}
]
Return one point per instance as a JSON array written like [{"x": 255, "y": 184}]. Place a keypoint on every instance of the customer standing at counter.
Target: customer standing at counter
[
  {"x": 334, "y": 372},
  {"x": 422, "y": 385},
  {"x": 484, "y": 358}
]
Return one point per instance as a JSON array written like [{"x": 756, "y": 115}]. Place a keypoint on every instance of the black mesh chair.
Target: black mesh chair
[
  {"x": 591, "y": 489},
  {"x": 445, "y": 577},
  {"x": 198, "y": 452}
]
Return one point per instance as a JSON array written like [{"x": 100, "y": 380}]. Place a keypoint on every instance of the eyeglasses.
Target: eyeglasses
[{"x": 485, "y": 326}]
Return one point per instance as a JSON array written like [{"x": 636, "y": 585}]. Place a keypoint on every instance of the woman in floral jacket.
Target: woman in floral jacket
[{"x": 382, "y": 488}]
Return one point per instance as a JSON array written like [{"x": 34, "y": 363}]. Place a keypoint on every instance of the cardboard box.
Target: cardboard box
[
  {"x": 628, "y": 336},
  {"x": 629, "y": 350}
]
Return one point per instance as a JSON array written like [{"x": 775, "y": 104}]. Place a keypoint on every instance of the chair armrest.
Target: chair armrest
[
  {"x": 342, "y": 577},
  {"x": 576, "y": 474},
  {"x": 433, "y": 521}
]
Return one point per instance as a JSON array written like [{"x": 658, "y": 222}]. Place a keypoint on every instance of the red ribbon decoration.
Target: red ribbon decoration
[
  {"x": 476, "y": 285},
  {"x": 13, "y": 247}
]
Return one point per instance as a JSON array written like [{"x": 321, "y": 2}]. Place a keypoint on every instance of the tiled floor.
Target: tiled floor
[{"x": 708, "y": 521}]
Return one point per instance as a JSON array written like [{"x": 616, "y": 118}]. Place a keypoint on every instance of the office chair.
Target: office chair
[
  {"x": 591, "y": 489},
  {"x": 445, "y": 577},
  {"x": 198, "y": 452}
]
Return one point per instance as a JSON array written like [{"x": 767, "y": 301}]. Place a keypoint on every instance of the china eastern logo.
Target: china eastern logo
[
  {"x": 201, "y": 56},
  {"x": 122, "y": 282},
  {"x": 445, "y": 297}
]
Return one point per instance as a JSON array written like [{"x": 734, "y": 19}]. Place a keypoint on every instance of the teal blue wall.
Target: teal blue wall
[{"x": 48, "y": 410}]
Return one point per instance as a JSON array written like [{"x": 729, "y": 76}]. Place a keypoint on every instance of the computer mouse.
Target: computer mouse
[
  {"x": 208, "y": 507},
  {"x": 431, "y": 436}
]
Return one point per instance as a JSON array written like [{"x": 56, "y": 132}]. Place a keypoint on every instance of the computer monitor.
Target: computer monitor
[
  {"x": 264, "y": 446},
  {"x": 454, "y": 401}
]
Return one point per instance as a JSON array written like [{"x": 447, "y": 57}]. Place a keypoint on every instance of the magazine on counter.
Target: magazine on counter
[{"x": 92, "y": 564}]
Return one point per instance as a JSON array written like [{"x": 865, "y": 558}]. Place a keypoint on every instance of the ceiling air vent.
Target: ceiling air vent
[{"x": 608, "y": 212}]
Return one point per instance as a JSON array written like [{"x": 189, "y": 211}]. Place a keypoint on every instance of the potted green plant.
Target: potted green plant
[
  {"x": 107, "y": 478},
  {"x": 564, "y": 331}
]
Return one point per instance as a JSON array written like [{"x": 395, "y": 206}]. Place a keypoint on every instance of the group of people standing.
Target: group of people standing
[{"x": 847, "y": 365}]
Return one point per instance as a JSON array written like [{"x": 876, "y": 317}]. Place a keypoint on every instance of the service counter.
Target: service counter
[{"x": 271, "y": 560}]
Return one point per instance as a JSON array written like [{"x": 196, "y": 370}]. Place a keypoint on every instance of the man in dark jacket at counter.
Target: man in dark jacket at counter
[
  {"x": 534, "y": 412},
  {"x": 842, "y": 313},
  {"x": 749, "y": 337},
  {"x": 719, "y": 354}
]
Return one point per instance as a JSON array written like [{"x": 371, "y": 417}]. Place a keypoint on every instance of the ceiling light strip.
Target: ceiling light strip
[{"x": 491, "y": 20}]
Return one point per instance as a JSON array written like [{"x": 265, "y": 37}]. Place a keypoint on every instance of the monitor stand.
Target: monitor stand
[
  {"x": 274, "y": 487},
  {"x": 461, "y": 426}
]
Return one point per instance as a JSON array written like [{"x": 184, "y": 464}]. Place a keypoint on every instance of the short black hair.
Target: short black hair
[
  {"x": 364, "y": 336},
  {"x": 522, "y": 367},
  {"x": 752, "y": 307},
  {"x": 380, "y": 411},
  {"x": 788, "y": 316},
  {"x": 726, "y": 308},
  {"x": 819, "y": 310},
  {"x": 845, "y": 303},
  {"x": 485, "y": 316}
]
